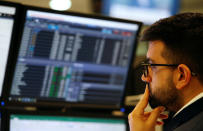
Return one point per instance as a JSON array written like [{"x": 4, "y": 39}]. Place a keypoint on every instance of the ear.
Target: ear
[{"x": 183, "y": 76}]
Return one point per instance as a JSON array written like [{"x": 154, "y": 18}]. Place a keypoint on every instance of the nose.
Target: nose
[{"x": 146, "y": 79}]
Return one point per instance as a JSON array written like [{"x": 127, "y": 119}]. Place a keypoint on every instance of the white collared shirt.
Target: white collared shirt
[{"x": 190, "y": 102}]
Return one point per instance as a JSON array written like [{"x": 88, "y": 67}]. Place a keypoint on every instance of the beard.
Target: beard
[{"x": 166, "y": 96}]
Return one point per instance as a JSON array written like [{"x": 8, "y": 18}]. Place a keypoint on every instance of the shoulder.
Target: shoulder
[
  {"x": 194, "y": 124},
  {"x": 189, "y": 119}
]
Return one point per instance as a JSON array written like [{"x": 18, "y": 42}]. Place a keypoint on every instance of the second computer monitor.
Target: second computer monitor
[
  {"x": 49, "y": 121},
  {"x": 8, "y": 14}
]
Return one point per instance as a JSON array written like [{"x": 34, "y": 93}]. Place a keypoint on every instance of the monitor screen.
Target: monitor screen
[
  {"x": 73, "y": 58},
  {"x": 19, "y": 122},
  {"x": 147, "y": 11},
  {"x": 6, "y": 27}
]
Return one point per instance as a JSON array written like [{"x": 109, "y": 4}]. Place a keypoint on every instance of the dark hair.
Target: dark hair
[{"x": 182, "y": 35}]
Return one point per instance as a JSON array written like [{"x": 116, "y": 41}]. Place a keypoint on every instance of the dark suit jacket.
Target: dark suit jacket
[{"x": 189, "y": 119}]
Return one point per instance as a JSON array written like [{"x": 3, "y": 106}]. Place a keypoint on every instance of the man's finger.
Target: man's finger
[
  {"x": 159, "y": 123},
  {"x": 155, "y": 114},
  {"x": 142, "y": 104},
  {"x": 161, "y": 116}
]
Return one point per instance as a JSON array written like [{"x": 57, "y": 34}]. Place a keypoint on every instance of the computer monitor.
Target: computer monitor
[
  {"x": 73, "y": 58},
  {"x": 8, "y": 18},
  {"x": 34, "y": 121},
  {"x": 147, "y": 11}
]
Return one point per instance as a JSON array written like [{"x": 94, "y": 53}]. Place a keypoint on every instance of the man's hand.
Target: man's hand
[{"x": 139, "y": 120}]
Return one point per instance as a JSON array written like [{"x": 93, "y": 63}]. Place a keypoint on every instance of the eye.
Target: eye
[{"x": 153, "y": 67}]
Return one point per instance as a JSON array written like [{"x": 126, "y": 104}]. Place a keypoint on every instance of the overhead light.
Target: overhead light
[{"x": 60, "y": 5}]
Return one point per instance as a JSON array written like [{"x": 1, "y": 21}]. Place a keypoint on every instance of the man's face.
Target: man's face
[{"x": 160, "y": 80}]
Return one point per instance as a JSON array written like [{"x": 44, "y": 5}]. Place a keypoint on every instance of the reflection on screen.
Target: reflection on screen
[
  {"x": 72, "y": 58},
  {"x": 56, "y": 123},
  {"x": 6, "y": 26}
]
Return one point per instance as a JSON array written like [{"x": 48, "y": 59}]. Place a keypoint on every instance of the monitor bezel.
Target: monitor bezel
[
  {"x": 67, "y": 104},
  {"x": 7, "y": 112}
]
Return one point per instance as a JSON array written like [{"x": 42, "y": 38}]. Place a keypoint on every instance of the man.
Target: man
[{"x": 174, "y": 75}]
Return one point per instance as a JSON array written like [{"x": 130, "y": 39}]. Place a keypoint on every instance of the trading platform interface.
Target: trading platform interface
[{"x": 73, "y": 59}]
